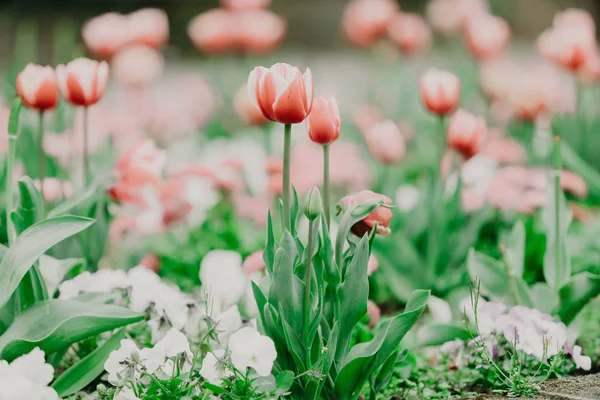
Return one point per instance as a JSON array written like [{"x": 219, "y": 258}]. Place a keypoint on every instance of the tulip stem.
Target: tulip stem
[
  {"x": 307, "y": 281},
  {"x": 556, "y": 161},
  {"x": 287, "y": 150},
  {"x": 41, "y": 154},
  {"x": 326, "y": 198},
  {"x": 12, "y": 151},
  {"x": 85, "y": 147},
  {"x": 442, "y": 136}
]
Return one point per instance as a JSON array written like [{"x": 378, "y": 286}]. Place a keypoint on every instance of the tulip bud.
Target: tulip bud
[
  {"x": 385, "y": 142},
  {"x": 486, "y": 36},
  {"x": 83, "y": 81},
  {"x": 313, "y": 206},
  {"x": 324, "y": 121},
  {"x": 379, "y": 218},
  {"x": 466, "y": 133},
  {"x": 440, "y": 91},
  {"x": 410, "y": 33}
]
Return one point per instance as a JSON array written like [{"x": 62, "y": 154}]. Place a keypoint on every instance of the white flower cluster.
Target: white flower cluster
[
  {"x": 530, "y": 330},
  {"x": 27, "y": 377}
]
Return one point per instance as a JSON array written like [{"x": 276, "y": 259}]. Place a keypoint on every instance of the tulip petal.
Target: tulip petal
[
  {"x": 290, "y": 105},
  {"x": 75, "y": 91}
]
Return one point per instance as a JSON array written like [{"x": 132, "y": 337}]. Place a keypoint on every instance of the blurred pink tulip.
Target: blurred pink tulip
[
  {"x": 274, "y": 165},
  {"x": 574, "y": 17},
  {"x": 373, "y": 265},
  {"x": 83, "y": 81},
  {"x": 380, "y": 217},
  {"x": 282, "y": 92},
  {"x": 466, "y": 133},
  {"x": 151, "y": 262},
  {"x": 471, "y": 200},
  {"x": 496, "y": 77},
  {"x": 213, "y": 31},
  {"x": 254, "y": 208},
  {"x": 365, "y": 116},
  {"x": 324, "y": 122},
  {"x": 366, "y": 21},
  {"x": 440, "y": 91},
  {"x": 254, "y": 263},
  {"x": 531, "y": 95},
  {"x": 138, "y": 65},
  {"x": 385, "y": 142},
  {"x": 569, "y": 46},
  {"x": 245, "y": 5},
  {"x": 504, "y": 150},
  {"x": 486, "y": 36},
  {"x": 106, "y": 34},
  {"x": 55, "y": 189},
  {"x": 449, "y": 16},
  {"x": 410, "y": 33},
  {"x": 259, "y": 31},
  {"x": 149, "y": 27},
  {"x": 247, "y": 111},
  {"x": 373, "y": 312},
  {"x": 37, "y": 86}
]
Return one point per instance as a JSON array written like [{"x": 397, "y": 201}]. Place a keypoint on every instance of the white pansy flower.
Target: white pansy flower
[
  {"x": 119, "y": 365},
  {"x": 103, "y": 281},
  {"x": 27, "y": 377},
  {"x": 160, "y": 357},
  {"x": 126, "y": 393},
  {"x": 227, "y": 323},
  {"x": 407, "y": 197},
  {"x": 223, "y": 278},
  {"x": 175, "y": 344},
  {"x": 440, "y": 310},
  {"x": 213, "y": 369},
  {"x": 581, "y": 361},
  {"x": 250, "y": 349}
]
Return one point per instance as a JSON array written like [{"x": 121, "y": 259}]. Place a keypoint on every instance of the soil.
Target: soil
[{"x": 585, "y": 387}]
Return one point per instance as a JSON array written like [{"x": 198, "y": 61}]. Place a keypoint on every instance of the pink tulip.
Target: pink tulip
[
  {"x": 106, "y": 34},
  {"x": 466, "y": 133},
  {"x": 574, "y": 17},
  {"x": 254, "y": 208},
  {"x": 254, "y": 263},
  {"x": 530, "y": 96},
  {"x": 37, "y": 86},
  {"x": 373, "y": 265},
  {"x": 409, "y": 33},
  {"x": 365, "y": 116},
  {"x": 282, "y": 92},
  {"x": 380, "y": 217},
  {"x": 569, "y": 46},
  {"x": 373, "y": 312},
  {"x": 366, "y": 21},
  {"x": 245, "y": 5},
  {"x": 385, "y": 142},
  {"x": 486, "y": 36},
  {"x": 440, "y": 91},
  {"x": 55, "y": 189},
  {"x": 496, "y": 77},
  {"x": 138, "y": 65},
  {"x": 259, "y": 31},
  {"x": 247, "y": 111},
  {"x": 449, "y": 16},
  {"x": 504, "y": 150},
  {"x": 151, "y": 262},
  {"x": 213, "y": 31},
  {"x": 83, "y": 81},
  {"x": 324, "y": 122},
  {"x": 149, "y": 27}
]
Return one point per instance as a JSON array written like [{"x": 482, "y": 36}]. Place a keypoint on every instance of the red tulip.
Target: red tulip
[
  {"x": 466, "y": 133},
  {"x": 259, "y": 31},
  {"x": 36, "y": 85},
  {"x": 409, "y": 33},
  {"x": 324, "y": 121},
  {"x": 282, "y": 93},
  {"x": 106, "y": 34},
  {"x": 385, "y": 142},
  {"x": 486, "y": 36},
  {"x": 366, "y": 21},
  {"x": 83, "y": 81},
  {"x": 149, "y": 27},
  {"x": 245, "y": 5},
  {"x": 440, "y": 91},
  {"x": 380, "y": 217},
  {"x": 213, "y": 31}
]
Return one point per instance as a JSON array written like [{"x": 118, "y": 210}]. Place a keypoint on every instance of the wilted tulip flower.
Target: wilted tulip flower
[
  {"x": 37, "y": 86},
  {"x": 83, "y": 81},
  {"x": 259, "y": 31},
  {"x": 213, "y": 31},
  {"x": 247, "y": 111},
  {"x": 366, "y": 21},
  {"x": 466, "y": 133},
  {"x": 380, "y": 217},
  {"x": 106, "y": 34},
  {"x": 440, "y": 91},
  {"x": 385, "y": 142},
  {"x": 409, "y": 33},
  {"x": 324, "y": 121},
  {"x": 486, "y": 36},
  {"x": 282, "y": 92},
  {"x": 149, "y": 26},
  {"x": 138, "y": 65},
  {"x": 245, "y": 5}
]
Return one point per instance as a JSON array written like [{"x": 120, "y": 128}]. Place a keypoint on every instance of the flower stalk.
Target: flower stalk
[
  {"x": 557, "y": 166},
  {"x": 41, "y": 154},
  {"x": 85, "y": 147},
  {"x": 13, "y": 130},
  {"x": 326, "y": 192},
  {"x": 287, "y": 154}
]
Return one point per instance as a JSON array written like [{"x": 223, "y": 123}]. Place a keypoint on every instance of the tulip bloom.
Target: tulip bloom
[
  {"x": 366, "y": 21},
  {"x": 324, "y": 121},
  {"x": 380, "y": 217},
  {"x": 37, "y": 86},
  {"x": 149, "y": 27},
  {"x": 138, "y": 65},
  {"x": 245, "y": 5},
  {"x": 106, "y": 34},
  {"x": 409, "y": 33},
  {"x": 440, "y": 91},
  {"x": 213, "y": 31},
  {"x": 466, "y": 133},
  {"x": 569, "y": 46},
  {"x": 486, "y": 36},
  {"x": 259, "y": 31},
  {"x": 282, "y": 93},
  {"x": 83, "y": 81},
  {"x": 385, "y": 142},
  {"x": 573, "y": 17}
]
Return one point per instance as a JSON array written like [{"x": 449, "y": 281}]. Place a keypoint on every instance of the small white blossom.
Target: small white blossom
[
  {"x": 27, "y": 377},
  {"x": 227, "y": 323},
  {"x": 223, "y": 278},
  {"x": 581, "y": 361},
  {"x": 250, "y": 349},
  {"x": 213, "y": 369},
  {"x": 119, "y": 362}
]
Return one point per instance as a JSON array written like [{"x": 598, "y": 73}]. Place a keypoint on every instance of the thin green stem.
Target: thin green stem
[
  {"x": 326, "y": 198},
  {"x": 287, "y": 153},
  {"x": 556, "y": 161},
  {"x": 307, "y": 281},
  {"x": 12, "y": 151},
  {"x": 41, "y": 154},
  {"x": 85, "y": 148}
]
